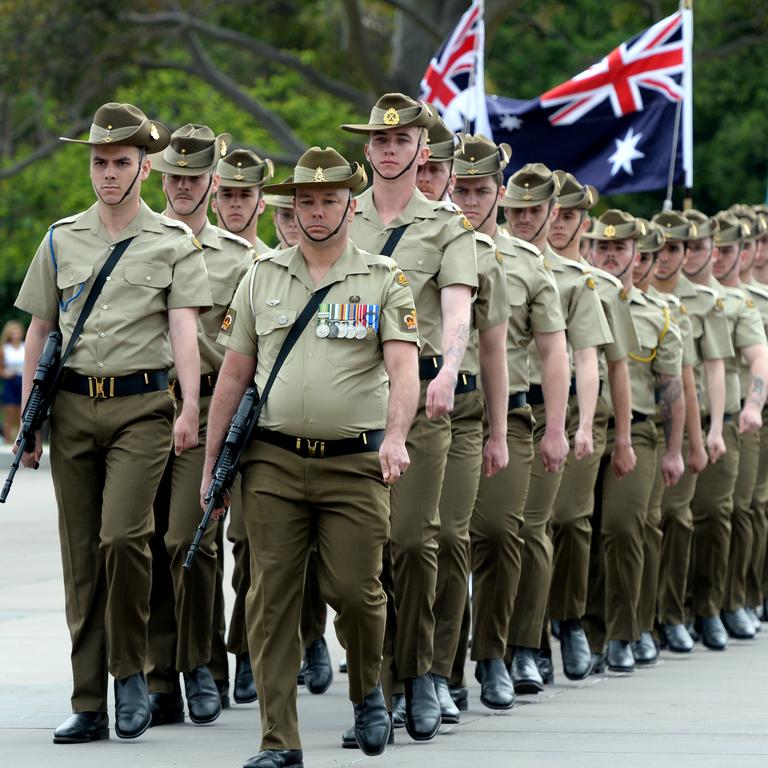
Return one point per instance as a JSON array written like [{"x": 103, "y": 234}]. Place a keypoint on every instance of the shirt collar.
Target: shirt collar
[
  {"x": 418, "y": 207},
  {"x": 144, "y": 221},
  {"x": 351, "y": 262}
]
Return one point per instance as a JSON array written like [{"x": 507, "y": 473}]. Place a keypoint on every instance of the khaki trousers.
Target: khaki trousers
[
  {"x": 237, "y": 636},
  {"x": 572, "y": 525},
  {"x": 187, "y": 595},
  {"x": 625, "y": 511},
  {"x": 107, "y": 457},
  {"x": 652, "y": 538},
  {"x": 496, "y": 547},
  {"x": 712, "y": 507},
  {"x": 677, "y": 538},
  {"x": 755, "y": 594},
  {"x": 742, "y": 539},
  {"x": 457, "y": 500},
  {"x": 415, "y": 523},
  {"x": 219, "y": 662},
  {"x": 289, "y": 502}
]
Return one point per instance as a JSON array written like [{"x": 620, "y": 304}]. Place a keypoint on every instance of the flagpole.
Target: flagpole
[
  {"x": 473, "y": 73},
  {"x": 687, "y": 9},
  {"x": 684, "y": 5}
]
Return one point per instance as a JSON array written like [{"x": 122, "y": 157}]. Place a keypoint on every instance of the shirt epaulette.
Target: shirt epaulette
[
  {"x": 233, "y": 237},
  {"x": 608, "y": 277},
  {"x": 757, "y": 290},
  {"x": 175, "y": 223},
  {"x": 705, "y": 289},
  {"x": 577, "y": 265},
  {"x": 525, "y": 245},
  {"x": 486, "y": 239},
  {"x": 66, "y": 220},
  {"x": 447, "y": 205},
  {"x": 661, "y": 303}
]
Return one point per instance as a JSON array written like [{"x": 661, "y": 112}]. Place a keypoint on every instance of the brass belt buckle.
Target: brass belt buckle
[
  {"x": 313, "y": 448},
  {"x": 96, "y": 387},
  {"x": 171, "y": 386}
]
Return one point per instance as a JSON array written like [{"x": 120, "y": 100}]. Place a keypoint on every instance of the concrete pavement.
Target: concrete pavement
[{"x": 706, "y": 709}]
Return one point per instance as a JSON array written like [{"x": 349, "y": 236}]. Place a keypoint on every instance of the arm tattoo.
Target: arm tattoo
[
  {"x": 756, "y": 391},
  {"x": 669, "y": 391},
  {"x": 458, "y": 345}
]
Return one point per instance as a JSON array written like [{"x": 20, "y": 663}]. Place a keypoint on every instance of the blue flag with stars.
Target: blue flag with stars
[{"x": 612, "y": 125}]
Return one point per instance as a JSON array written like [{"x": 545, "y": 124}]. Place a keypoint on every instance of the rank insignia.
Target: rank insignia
[
  {"x": 273, "y": 302},
  {"x": 466, "y": 223},
  {"x": 407, "y": 319},
  {"x": 229, "y": 321},
  {"x": 400, "y": 278},
  {"x": 239, "y": 177},
  {"x": 354, "y": 299},
  {"x": 391, "y": 117}
]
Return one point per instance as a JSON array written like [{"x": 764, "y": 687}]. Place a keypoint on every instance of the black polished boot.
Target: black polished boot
[
  {"x": 460, "y": 696},
  {"x": 398, "y": 710},
  {"x": 620, "y": 658},
  {"x": 449, "y": 712},
  {"x": 203, "y": 700},
  {"x": 574, "y": 648},
  {"x": 348, "y": 740},
  {"x": 644, "y": 650},
  {"x": 276, "y": 758},
  {"x": 318, "y": 672},
  {"x": 543, "y": 659},
  {"x": 712, "y": 632},
  {"x": 422, "y": 710},
  {"x": 496, "y": 689},
  {"x": 245, "y": 687},
  {"x": 82, "y": 727},
  {"x": 676, "y": 638},
  {"x": 738, "y": 624},
  {"x": 132, "y": 715},
  {"x": 525, "y": 674},
  {"x": 372, "y": 723},
  {"x": 166, "y": 708}
]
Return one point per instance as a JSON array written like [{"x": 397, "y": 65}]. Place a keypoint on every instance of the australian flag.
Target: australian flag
[{"x": 614, "y": 124}]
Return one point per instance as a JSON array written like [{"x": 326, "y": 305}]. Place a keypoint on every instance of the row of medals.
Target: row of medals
[{"x": 341, "y": 329}]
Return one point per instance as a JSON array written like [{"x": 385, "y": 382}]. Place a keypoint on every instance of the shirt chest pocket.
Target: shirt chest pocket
[
  {"x": 146, "y": 287},
  {"x": 221, "y": 292},
  {"x": 649, "y": 339},
  {"x": 272, "y": 326},
  {"x": 71, "y": 280},
  {"x": 424, "y": 262}
]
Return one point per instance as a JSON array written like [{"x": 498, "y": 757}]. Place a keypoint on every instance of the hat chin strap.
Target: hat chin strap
[
  {"x": 494, "y": 204},
  {"x": 733, "y": 266},
  {"x": 702, "y": 267},
  {"x": 447, "y": 183},
  {"x": 199, "y": 202},
  {"x": 629, "y": 264},
  {"x": 546, "y": 219},
  {"x": 405, "y": 170},
  {"x": 327, "y": 237},
  {"x": 127, "y": 192},
  {"x": 575, "y": 231},
  {"x": 647, "y": 271},
  {"x": 247, "y": 223}
]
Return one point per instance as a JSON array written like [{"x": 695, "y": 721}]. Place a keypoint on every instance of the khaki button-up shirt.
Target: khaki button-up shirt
[
  {"x": 661, "y": 349},
  {"x": 328, "y": 388},
  {"x": 227, "y": 258},
  {"x": 682, "y": 320},
  {"x": 436, "y": 250},
  {"x": 746, "y": 327},
  {"x": 490, "y": 306},
  {"x": 534, "y": 304},
  {"x": 585, "y": 322},
  {"x": 127, "y": 330}
]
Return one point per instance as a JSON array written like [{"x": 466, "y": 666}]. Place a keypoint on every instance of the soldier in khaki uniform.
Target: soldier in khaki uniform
[
  {"x": 655, "y": 373},
  {"x": 736, "y": 618},
  {"x": 713, "y": 502},
  {"x": 113, "y": 418},
  {"x": 284, "y": 219},
  {"x": 535, "y": 315},
  {"x": 530, "y": 206},
  {"x": 436, "y": 252},
  {"x": 312, "y": 472},
  {"x": 574, "y": 504},
  {"x": 757, "y": 581},
  {"x": 469, "y": 454},
  {"x": 703, "y": 441},
  {"x": 182, "y": 602},
  {"x": 238, "y": 203}
]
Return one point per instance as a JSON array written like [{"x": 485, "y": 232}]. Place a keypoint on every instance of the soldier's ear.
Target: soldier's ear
[{"x": 352, "y": 207}]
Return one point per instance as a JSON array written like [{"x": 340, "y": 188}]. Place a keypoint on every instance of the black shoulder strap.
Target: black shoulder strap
[
  {"x": 292, "y": 337},
  {"x": 98, "y": 284},
  {"x": 394, "y": 239}
]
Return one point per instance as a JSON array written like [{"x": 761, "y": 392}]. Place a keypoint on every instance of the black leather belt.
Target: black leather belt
[
  {"x": 706, "y": 420},
  {"x": 104, "y": 387},
  {"x": 467, "y": 383},
  {"x": 517, "y": 400},
  {"x": 308, "y": 448},
  {"x": 430, "y": 366},
  {"x": 207, "y": 384},
  {"x": 637, "y": 417},
  {"x": 535, "y": 395}
]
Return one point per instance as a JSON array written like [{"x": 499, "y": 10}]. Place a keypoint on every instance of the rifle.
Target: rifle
[
  {"x": 38, "y": 405},
  {"x": 227, "y": 464}
]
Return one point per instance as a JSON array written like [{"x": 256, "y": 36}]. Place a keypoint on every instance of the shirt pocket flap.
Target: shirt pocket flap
[
  {"x": 418, "y": 260},
  {"x": 516, "y": 294},
  {"x": 151, "y": 275},
  {"x": 274, "y": 320},
  {"x": 72, "y": 275},
  {"x": 647, "y": 336},
  {"x": 221, "y": 292}
]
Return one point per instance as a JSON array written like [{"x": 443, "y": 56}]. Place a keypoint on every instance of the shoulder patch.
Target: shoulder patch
[
  {"x": 408, "y": 319},
  {"x": 229, "y": 321}
]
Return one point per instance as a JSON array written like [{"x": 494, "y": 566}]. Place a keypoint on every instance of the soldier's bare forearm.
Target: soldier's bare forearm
[
  {"x": 455, "y": 302},
  {"x": 672, "y": 407}
]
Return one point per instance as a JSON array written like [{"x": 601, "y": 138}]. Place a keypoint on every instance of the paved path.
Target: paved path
[{"x": 706, "y": 709}]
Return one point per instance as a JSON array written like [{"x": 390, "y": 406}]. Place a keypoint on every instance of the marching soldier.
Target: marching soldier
[
  {"x": 312, "y": 472},
  {"x": 182, "y": 602},
  {"x": 435, "y": 248},
  {"x": 535, "y": 315},
  {"x": 469, "y": 454},
  {"x": 530, "y": 206},
  {"x": 112, "y": 424},
  {"x": 574, "y": 504},
  {"x": 655, "y": 376},
  {"x": 238, "y": 203},
  {"x": 703, "y": 440},
  {"x": 715, "y": 263}
]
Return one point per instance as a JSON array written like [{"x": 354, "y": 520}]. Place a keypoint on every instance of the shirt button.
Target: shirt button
[
  {"x": 105, "y": 306},
  {"x": 308, "y": 420},
  {"x": 283, "y": 319},
  {"x": 309, "y": 354},
  {"x": 420, "y": 262},
  {"x": 102, "y": 334},
  {"x": 101, "y": 365},
  {"x": 148, "y": 277},
  {"x": 109, "y": 277}
]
